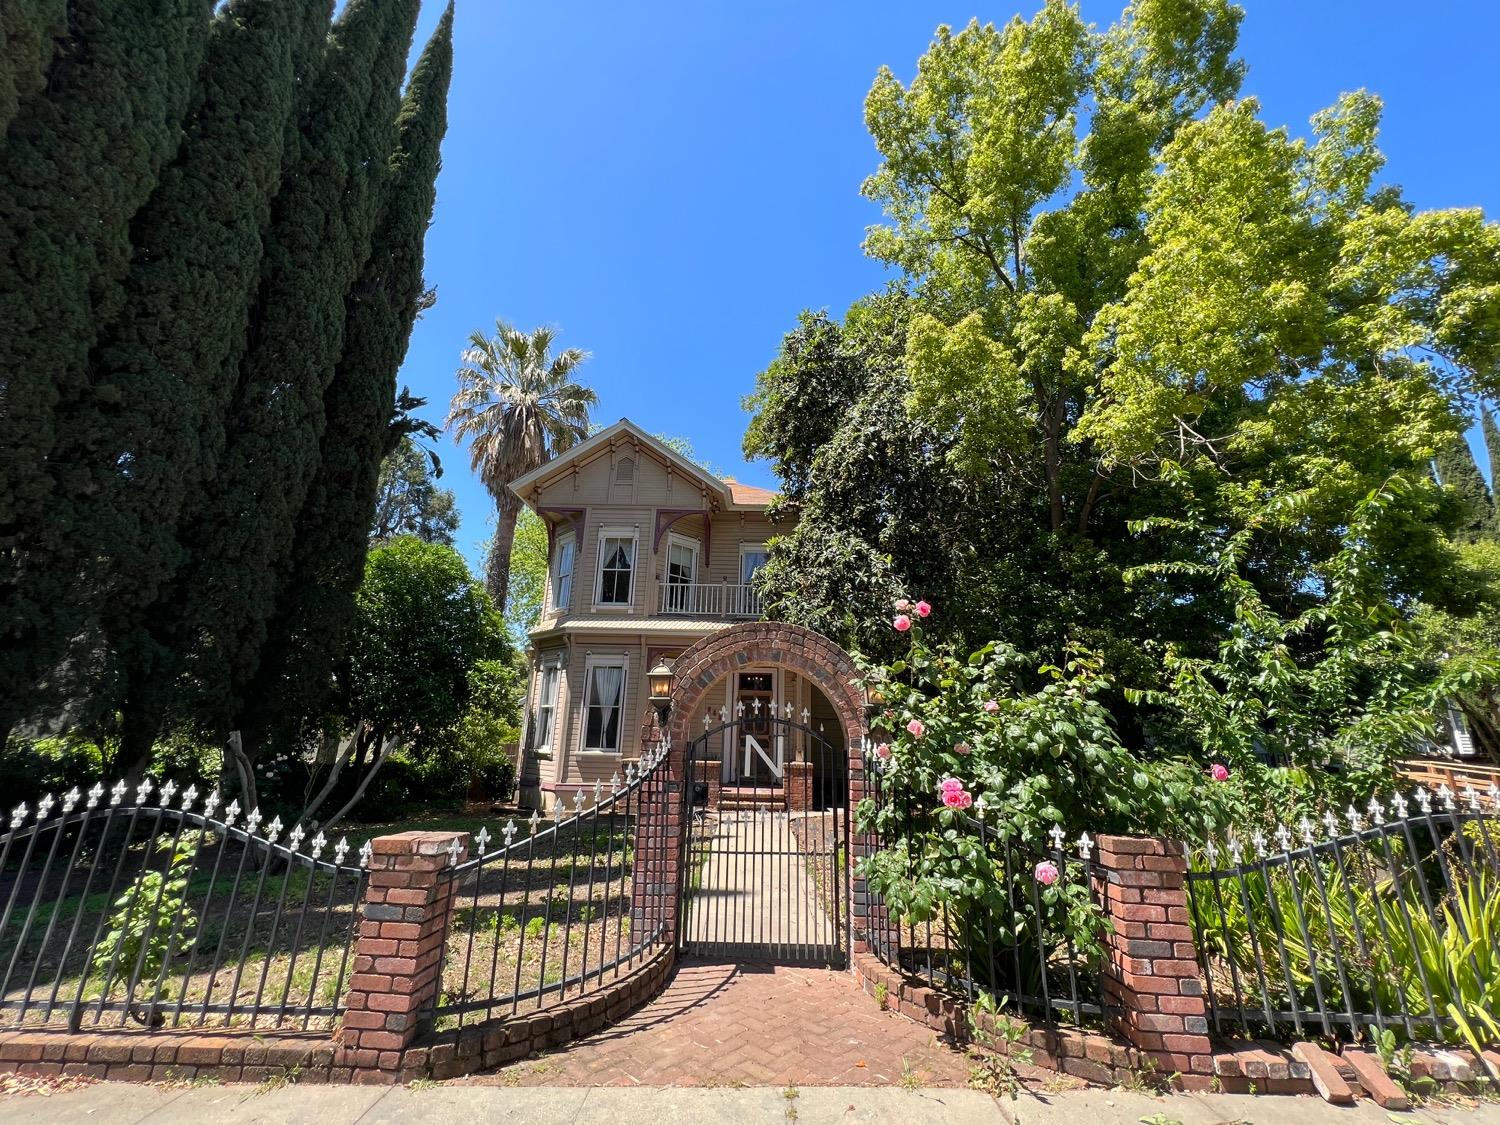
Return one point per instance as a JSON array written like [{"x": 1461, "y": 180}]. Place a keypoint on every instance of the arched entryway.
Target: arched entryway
[{"x": 767, "y": 727}]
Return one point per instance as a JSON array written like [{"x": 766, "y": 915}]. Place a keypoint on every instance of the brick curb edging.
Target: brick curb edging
[{"x": 254, "y": 1056}]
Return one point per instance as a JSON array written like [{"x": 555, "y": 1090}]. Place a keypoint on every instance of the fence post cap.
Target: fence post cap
[{"x": 419, "y": 843}]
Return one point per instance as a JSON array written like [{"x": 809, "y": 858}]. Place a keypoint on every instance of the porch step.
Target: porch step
[{"x": 734, "y": 797}]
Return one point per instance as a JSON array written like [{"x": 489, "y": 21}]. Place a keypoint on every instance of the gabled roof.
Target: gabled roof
[{"x": 733, "y": 495}]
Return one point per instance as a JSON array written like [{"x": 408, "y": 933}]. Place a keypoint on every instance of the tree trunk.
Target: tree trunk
[{"x": 497, "y": 564}]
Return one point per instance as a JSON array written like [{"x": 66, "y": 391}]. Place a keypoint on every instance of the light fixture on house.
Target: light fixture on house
[{"x": 660, "y": 681}]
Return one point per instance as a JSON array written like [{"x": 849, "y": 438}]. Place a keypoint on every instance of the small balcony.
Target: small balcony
[{"x": 708, "y": 599}]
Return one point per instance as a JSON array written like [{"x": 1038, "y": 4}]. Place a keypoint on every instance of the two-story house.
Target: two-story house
[{"x": 648, "y": 553}]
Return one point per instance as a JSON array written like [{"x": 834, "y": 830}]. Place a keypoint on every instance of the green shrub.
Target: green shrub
[{"x": 144, "y": 928}]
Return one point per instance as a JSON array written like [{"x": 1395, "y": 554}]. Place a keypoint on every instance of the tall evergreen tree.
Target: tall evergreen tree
[
  {"x": 1457, "y": 469},
  {"x": 1492, "y": 447},
  {"x": 77, "y": 163},
  {"x": 239, "y": 536},
  {"x": 165, "y": 371},
  {"x": 29, "y": 30},
  {"x": 328, "y": 558}
]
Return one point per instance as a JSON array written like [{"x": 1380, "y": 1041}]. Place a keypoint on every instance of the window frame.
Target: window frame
[
  {"x": 693, "y": 545},
  {"x": 751, "y": 549},
  {"x": 606, "y": 534},
  {"x": 551, "y": 668},
  {"x": 590, "y": 665},
  {"x": 555, "y": 575}
]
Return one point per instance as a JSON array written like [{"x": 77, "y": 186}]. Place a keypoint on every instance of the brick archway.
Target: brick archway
[{"x": 766, "y": 642}]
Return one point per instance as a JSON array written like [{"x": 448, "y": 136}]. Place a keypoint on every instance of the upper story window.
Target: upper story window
[
  {"x": 616, "y": 567},
  {"x": 562, "y": 572},
  {"x": 751, "y": 560},
  {"x": 682, "y": 561}
]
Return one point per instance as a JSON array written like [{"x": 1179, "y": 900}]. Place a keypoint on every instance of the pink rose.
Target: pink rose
[
  {"x": 902, "y": 605},
  {"x": 902, "y": 623},
  {"x": 1218, "y": 772},
  {"x": 990, "y": 706},
  {"x": 961, "y": 748},
  {"x": 923, "y": 609},
  {"x": 950, "y": 785},
  {"x": 883, "y": 751},
  {"x": 915, "y": 728},
  {"x": 1046, "y": 873}
]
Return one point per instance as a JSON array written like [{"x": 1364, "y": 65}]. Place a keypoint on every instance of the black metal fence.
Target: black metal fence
[
  {"x": 562, "y": 905},
  {"x": 1384, "y": 919},
  {"x": 1012, "y": 936},
  {"x": 134, "y": 906}
]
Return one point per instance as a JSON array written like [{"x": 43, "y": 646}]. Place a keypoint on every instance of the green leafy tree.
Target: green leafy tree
[
  {"x": 409, "y": 501},
  {"x": 529, "y": 567},
  {"x": 423, "y": 623},
  {"x": 239, "y": 533},
  {"x": 29, "y": 30},
  {"x": 68, "y": 189},
  {"x": 316, "y": 605},
  {"x": 518, "y": 407},
  {"x": 1492, "y": 449},
  {"x": 145, "y": 928}
]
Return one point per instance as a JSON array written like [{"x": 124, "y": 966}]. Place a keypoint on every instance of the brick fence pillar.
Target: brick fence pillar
[
  {"x": 657, "y": 809},
  {"x": 398, "y": 952},
  {"x": 1150, "y": 972},
  {"x": 798, "y": 783}
]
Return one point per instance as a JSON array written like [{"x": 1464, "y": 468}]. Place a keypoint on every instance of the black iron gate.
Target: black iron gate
[{"x": 765, "y": 841}]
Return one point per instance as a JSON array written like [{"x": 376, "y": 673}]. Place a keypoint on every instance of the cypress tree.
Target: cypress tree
[
  {"x": 29, "y": 30},
  {"x": 164, "y": 372},
  {"x": 78, "y": 161},
  {"x": 1492, "y": 447},
  {"x": 1456, "y": 469},
  {"x": 328, "y": 557},
  {"x": 239, "y": 538}
]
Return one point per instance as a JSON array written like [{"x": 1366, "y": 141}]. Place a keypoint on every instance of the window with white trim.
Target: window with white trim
[
  {"x": 562, "y": 572},
  {"x": 604, "y": 703},
  {"x": 544, "y": 718},
  {"x": 752, "y": 558},
  {"x": 616, "y": 567},
  {"x": 682, "y": 572}
]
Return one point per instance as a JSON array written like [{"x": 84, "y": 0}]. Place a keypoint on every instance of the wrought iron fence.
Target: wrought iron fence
[
  {"x": 1387, "y": 919},
  {"x": 563, "y": 905},
  {"x": 120, "y": 908},
  {"x": 1012, "y": 937}
]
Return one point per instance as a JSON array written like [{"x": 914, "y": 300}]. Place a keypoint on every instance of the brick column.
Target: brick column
[
  {"x": 798, "y": 782},
  {"x": 1151, "y": 969},
  {"x": 657, "y": 808},
  {"x": 399, "y": 949}
]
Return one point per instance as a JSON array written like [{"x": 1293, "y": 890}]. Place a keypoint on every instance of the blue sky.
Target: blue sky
[{"x": 670, "y": 183}]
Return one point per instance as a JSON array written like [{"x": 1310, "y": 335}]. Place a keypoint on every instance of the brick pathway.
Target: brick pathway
[{"x": 749, "y": 1025}]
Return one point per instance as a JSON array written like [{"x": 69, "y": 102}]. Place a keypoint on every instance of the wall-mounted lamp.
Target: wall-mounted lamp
[{"x": 660, "y": 681}]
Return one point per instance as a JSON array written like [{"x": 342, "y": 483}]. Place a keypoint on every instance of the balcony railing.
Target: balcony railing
[{"x": 708, "y": 599}]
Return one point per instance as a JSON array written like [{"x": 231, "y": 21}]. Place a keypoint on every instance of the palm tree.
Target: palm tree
[{"x": 519, "y": 406}]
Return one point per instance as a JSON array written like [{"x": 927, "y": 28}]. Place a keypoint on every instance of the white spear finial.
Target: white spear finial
[
  {"x": 1211, "y": 851},
  {"x": 117, "y": 794},
  {"x": 366, "y": 853},
  {"x": 1399, "y": 806},
  {"x": 210, "y": 803},
  {"x": 536, "y": 819},
  {"x": 1258, "y": 841},
  {"x": 558, "y": 808},
  {"x": 44, "y": 806},
  {"x": 1471, "y": 798},
  {"x": 1356, "y": 822},
  {"x": 482, "y": 838},
  {"x": 18, "y": 815},
  {"x": 1424, "y": 799},
  {"x": 1284, "y": 837},
  {"x": 706, "y": 720},
  {"x": 510, "y": 831},
  {"x": 598, "y": 791},
  {"x": 1085, "y": 847},
  {"x": 1493, "y": 792},
  {"x": 739, "y": 709},
  {"x": 319, "y": 842},
  {"x": 273, "y": 829},
  {"x": 1056, "y": 833},
  {"x": 340, "y": 850},
  {"x": 806, "y": 716},
  {"x": 979, "y": 805},
  {"x": 1445, "y": 796},
  {"x": 1376, "y": 811},
  {"x": 70, "y": 799},
  {"x": 755, "y": 705},
  {"x": 1236, "y": 850},
  {"x": 95, "y": 792},
  {"x": 578, "y": 800},
  {"x": 453, "y": 848},
  {"x": 294, "y": 838},
  {"x": 723, "y": 714},
  {"x": 1306, "y": 828},
  {"x": 189, "y": 797},
  {"x": 142, "y": 791},
  {"x": 167, "y": 792},
  {"x": 1331, "y": 823},
  {"x": 252, "y": 822}
]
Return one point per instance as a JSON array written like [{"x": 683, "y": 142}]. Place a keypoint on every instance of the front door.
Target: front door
[{"x": 755, "y": 747}]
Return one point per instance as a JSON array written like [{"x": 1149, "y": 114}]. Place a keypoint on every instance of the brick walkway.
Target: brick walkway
[{"x": 749, "y": 1025}]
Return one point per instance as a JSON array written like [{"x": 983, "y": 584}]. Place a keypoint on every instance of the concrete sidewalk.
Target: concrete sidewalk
[{"x": 127, "y": 1104}]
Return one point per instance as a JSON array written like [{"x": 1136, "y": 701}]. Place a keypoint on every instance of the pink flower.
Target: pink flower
[
  {"x": 1046, "y": 873},
  {"x": 902, "y": 605},
  {"x": 990, "y": 706},
  {"x": 961, "y": 748},
  {"x": 1218, "y": 772},
  {"x": 950, "y": 785},
  {"x": 953, "y": 794},
  {"x": 902, "y": 623},
  {"x": 883, "y": 750},
  {"x": 915, "y": 728},
  {"x": 923, "y": 609}
]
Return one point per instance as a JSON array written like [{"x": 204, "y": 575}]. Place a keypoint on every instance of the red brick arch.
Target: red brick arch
[{"x": 766, "y": 642}]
